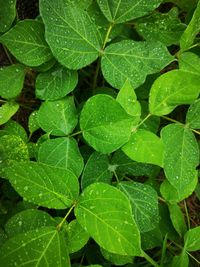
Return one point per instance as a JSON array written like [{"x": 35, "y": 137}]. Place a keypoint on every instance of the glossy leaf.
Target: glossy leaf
[
  {"x": 105, "y": 213},
  {"x": 55, "y": 83},
  {"x": 35, "y": 248},
  {"x": 26, "y": 42},
  {"x": 144, "y": 202},
  {"x": 72, "y": 36},
  {"x": 44, "y": 185},
  {"x": 33, "y": 124},
  {"x": 96, "y": 170},
  {"x": 7, "y": 110},
  {"x": 116, "y": 259},
  {"x": 117, "y": 11},
  {"x": 58, "y": 117},
  {"x": 192, "y": 239},
  {"x": 181, "y": 157},
  {"x": 7, "y": 14},
  {"x": 171, "y": 194},
  {"x": 102, "y": 120},
  {"x": 193, "y": 115},
  {"x": 61, "y": 152},
  {"x": 189, "y": 62},
  {"x": 144, "y": 146},
  {"x": 14, "y": 128},
  {"x": 177, "y": 219},
  {"x": 133, "y": 61}
]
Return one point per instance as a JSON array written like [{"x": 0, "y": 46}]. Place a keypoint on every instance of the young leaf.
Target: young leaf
[
  {"x": 189, "y": 62},
  {"x": 181, "y": 157},
  {"x": 180, "y": 260},
  {"x": 193, "y": 115},
  {"x": 171, "y": 89},
  {"x": 116, "y": 259},
  {"x": 7, "y": 110},
  {"x": 55, "y": 83},
  {"x": 11, "y": 80},
  {"x": 102, "y": 120},
  {"x": 7, "y": 14},
  {"x": 105, "y": 213},
  {"x": 177, "y": 219},
  {"x": 58, "y": 117},
  {"x": 40, "y": 247},
  {"x": 62, "y": 152},
  {"x": 96, "y": 170},
  {"x": 171, "y": 194},
  {"x": 144, "y": 202},
  {"x": 44, "y": 185},
  {"x": 133, "y": 61},
  {"x": 192, "y": 239},
  {"x": 26, "y": 42},
  {"x": 14, "y": 128},
  {"x": 33, "y": 124},
  {"x": 144, "y": 146},
  {"x": 120, "y": 11},
  {"x": 70, "y": 32}
]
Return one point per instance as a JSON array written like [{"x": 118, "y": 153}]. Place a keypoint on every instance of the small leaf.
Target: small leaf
[
  {"x": 33, "y": 124},
  {"x": 152, "y": 239},
  {"x": 96, "y": 170},
  {"x": 105, "y": 213},
  {"x": 26, "y": 42},
  {"x": 189, "y": 62},
  {"x": 133, "y": 61},
  {"x": 58, "y": 117},
  {"x": 72, "y": 36},
  {"x": 55, "y": 83},
  {"x": 102, "y": 120},
  {"x": 44, "y": 185},
  {"x": 177, "y": 219},
  {"x": 7, "y": 110},
  {"x": 61, "y": 152},
  {"x": 14, "y": 128},
  {"x": 11, "y": 80},
  {"x": 181, "y": 260},
  {"x": 35, "y": 248},
  {"x": 192, "y": 239},
  {"x": 170, "y": 193},
  {"x": 145, "y": 146},
  {"x": 144, "y": 202},
  {"x": 7, "y": 14},
  {"x": 193, "y": 115}
]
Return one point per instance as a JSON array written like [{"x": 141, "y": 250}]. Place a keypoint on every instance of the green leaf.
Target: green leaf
[
  {"x": 180, "y": 260},
  {"x": 58, "y": 117},
  {"x": 93, "y": 173},
  {"x": 41, "y": 247},
  {"x": 70, "y": 32},
  {"x": 177, "y": 219},
  {"x": 11, "y": 80},
  {"x": 171, "y": 194},
  {"x": 191, "y": 31},
  {"x": 164, "y": 27},
  {"x": 44, "y": 185},
  {"x": 33, "y": 124},
  {"x": 7, "y": 14},
  {"x": 192, "y": 239},
  {"x": 152, "y": 239},
  {"x": 62, "y": 152},
  {"x": 7, "y": 110},
  {"x": 117, "y": 11},
  {"x": 171, "y": 89},
  {"x": 133, "y": 61},
  {"x": 193, "y": 115},
  {"x": 151, "y": 123},
  {"x": 128, "y": 100},
  {"x": 28, "y": 220},
  {"x": 76, "y": 237},
  {"x": 55, "y": 83},
  {"x": 189, "y": 62},
  {"x": 116, "y": 259},
  {"x": 144, "y": 202},
  {"x": 14, "y": 128},
  {"x": 144, "y": 146},
  {"x": 26, "y": 42},
  {"x": 102, "y": 120},
  {"x": 105, "y": 213},
  {"x": 181, "y": 157}
]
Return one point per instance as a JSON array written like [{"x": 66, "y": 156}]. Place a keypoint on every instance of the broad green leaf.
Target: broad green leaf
[
  {"x": 7, "y": 14},
  {"x": 171, "y": 89},
  {"x": 41, "y": 247},
  {"x": 62, "y": 152},
  {"x": 177, "y": 219},
  {"x": 116, "y": 259},
  {"x": 58, "y": 117},
  {"x": 33, "y": 124},
  {"x": 171, "y": 194},
  {"x": 70, "y": 32},
  {"x": 193, "y": 115},
  {"x": 189, "y": 62},
  {"x": 11, "y": 80},
  {"x": 14, "y": 128},
  {"x": 118, "y": 11},
  {"x": 144, "y": 146},
  {"x": 144, "y": 202},
  {"x": 128, "y": 100},
  {"x": 164, "y": 27},
  {"x": 191, "y": 31},
  {"x": 181, "y": 157},
  {"x": 180, "y": 260},
  {"x": 133, "y": 61},
  {"x": 102, "y": 120},
  {"x": 151, "y": 239},
  {"x": 44, "y": 185},
  {"x": 105, "y": 213},
  {"x": 28, "y": 220},
  {"x": 192, "y": 239},
  {"x": 55, "y": 83},
  {"x": 45, "y": 66},
  {"x": 76, "y": 237},
  {"x": 96, "y": 170},
  {"x": 7, "y": 110},
  {"x": 26, "y": 42}
]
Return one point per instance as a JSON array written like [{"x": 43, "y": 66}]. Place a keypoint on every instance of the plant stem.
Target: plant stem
[
  {"x": 107, "y": 35},
  {"x": 186, "y": 213},
  {"x": 74, "y": 134},
  {"x": 64, "y": 219},
  {"x": 164, "y": 248},
  {"x": 146, "y": 118},
  {"x": 150, "y": 260},
  {"x": 116, "y": 176},
  {"x": 8, "y": 55}
]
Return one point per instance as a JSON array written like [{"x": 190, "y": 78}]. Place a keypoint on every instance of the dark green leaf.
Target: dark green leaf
[
  {"x": 7, "y": 14},
  {"x": 7, "y": 110},
  {"x": 193, "y": 115}
]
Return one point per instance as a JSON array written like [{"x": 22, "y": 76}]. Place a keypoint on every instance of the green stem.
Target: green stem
[
  {"x": 186, "y": 213},
  {"x": 107, "y": 35},
  {"x": 74, "y": 134},
  {"x": 8, "y": 55},
  {"x": 150, "y": 260},
  {"x": 164, "y": 248},
  {"x": 146, "y": 118},
  {"x": 66, "y": 216},
  {"x": 116, "y": 176}
]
